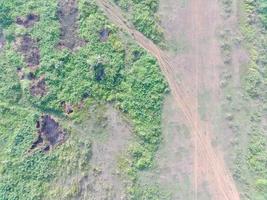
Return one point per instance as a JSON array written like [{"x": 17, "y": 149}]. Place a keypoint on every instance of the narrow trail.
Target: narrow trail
[{"x": 219, "y": 177}]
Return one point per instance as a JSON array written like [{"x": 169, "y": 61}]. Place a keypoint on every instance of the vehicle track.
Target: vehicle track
[{"x": 218, "y": 175}]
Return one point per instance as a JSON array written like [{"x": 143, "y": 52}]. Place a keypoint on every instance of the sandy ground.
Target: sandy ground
[{"x": 200, "y": 16}]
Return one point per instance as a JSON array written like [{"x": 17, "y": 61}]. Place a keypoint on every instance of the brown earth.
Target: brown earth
[
  {"x": 29, "y": 49},
  {"x": 68, "y": 15},
  {"x": 38, "y": 87},
  {"x": 103, "y": 34},
  {"x": 28, "y": 21},
  {"x": 198, "y": 67},
  {"x": 208, "y": 161},
  {"x": 49, "y": 133},
  {"x": 2, "y": 40}
]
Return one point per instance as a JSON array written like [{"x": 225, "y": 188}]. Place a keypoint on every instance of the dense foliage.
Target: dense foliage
[
  {"x": 113, "y": 71},
  {"x": 143, "y": 16}
]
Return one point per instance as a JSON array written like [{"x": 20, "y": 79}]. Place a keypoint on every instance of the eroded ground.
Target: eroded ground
[
  {"x": 28, "y": 47},
  {"x": 28, "y": 21},
  {"x": 49, "y": 133}
]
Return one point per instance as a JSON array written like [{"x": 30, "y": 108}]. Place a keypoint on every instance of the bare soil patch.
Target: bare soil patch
[
  {"x": 104, "y": 182},
  {"x": 68, "y": 15},
  {"x": 28, "y": 21},
  {"x": 99, "y": 70},
  {"x": 2, "y": 40},
  {"x": 38, "y": 87},
  {"x": 29, "y": 49},
  {"x": 103, "y": 34},
  {"x": 49, "y": 133},
  {"x": 20, "y": 73}
]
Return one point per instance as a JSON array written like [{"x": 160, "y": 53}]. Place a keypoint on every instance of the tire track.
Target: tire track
[{"x": 218, "y": 175}]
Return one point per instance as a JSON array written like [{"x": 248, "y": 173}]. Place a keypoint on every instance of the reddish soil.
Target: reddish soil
[
  {"x": 38, "y": 87},
  {"x": 49, "y": 133},
  {"x": 29, "y": 49},
  {"x": 27, "y": 21},
  {"x": 208, "y": 161},
  {"x": 68, "y": 15}
]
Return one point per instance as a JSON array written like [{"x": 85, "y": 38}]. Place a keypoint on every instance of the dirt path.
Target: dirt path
[{"x": 208, "y": 160}]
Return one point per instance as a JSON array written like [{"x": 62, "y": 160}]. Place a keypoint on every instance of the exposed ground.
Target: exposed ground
[
  {"x": 27, "y": 21},
  {"x": 68, "y": 16},
  {"x": 208, "y": 162},
  {"x": 2, "y": 40},
  {"x": 49, "y": 133},
  {"x": 29, "y": 49},
  {"x": 38, "y": 87}
]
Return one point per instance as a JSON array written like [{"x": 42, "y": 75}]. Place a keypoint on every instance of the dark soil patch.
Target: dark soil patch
[
  {"x": 103, "y": 34},
  {"x": 20, "y": 73},
  {"x": 68, "y": 15},
  {"x": 30, "y": 76},
  {"x": 28, "y": 47},
  {"x": 68, "y": 108},
  {"x": 28, "y": 21},
  {"x": 99, "y": 70},
  {"x": 38, "y": 87},
  {"x": 49, "y": 133},
  {"x": 2, "y": 40}
]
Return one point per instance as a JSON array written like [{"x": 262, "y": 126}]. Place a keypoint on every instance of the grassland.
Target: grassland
[
  {"x": 110, "y": 70},
  {"x": 143, "y": 16},
  {"x": 245, "y": 106}
]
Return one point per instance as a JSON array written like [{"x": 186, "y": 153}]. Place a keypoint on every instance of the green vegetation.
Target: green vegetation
[
  {"x": 260, "y": 6},
  {"x": 143, "y": 16},
  {"x": 113, "y": 71},
  {"x": 246, "y": 112}
]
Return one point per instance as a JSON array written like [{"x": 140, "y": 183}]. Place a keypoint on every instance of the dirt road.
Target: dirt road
[{"x": 208, "y": 161}]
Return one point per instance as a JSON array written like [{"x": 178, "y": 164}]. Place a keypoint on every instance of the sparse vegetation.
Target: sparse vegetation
[{"x": 250, "y": 164}]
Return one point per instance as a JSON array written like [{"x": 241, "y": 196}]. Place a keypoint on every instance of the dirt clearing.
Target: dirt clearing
[
  {"x": 68, "y": 16},
  {"x": 38, "y": 87},
  {"x": 104, "y": 33},
  {"x": 28, "y": 21},
  {"x": 29, "y": 49},
  {"x": 199, "y": 66},
  {"x": 2, "y": 40},
  {"x": 49, "y": 133}
]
